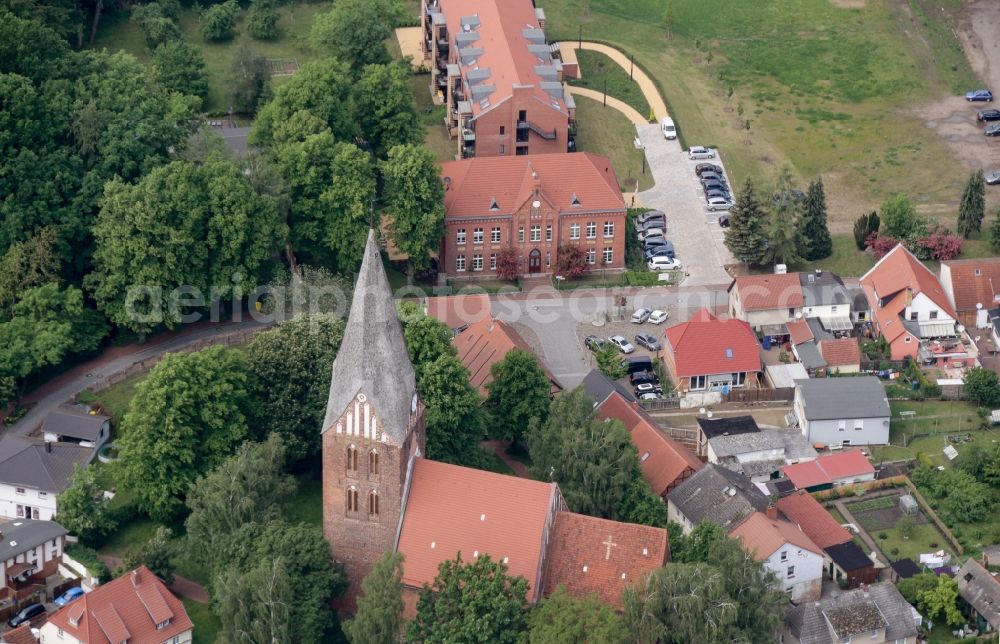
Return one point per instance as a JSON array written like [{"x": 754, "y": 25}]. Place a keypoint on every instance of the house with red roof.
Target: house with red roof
[
  {"x": 785, "y": 550},
  {"x": 767, "y": 301},
  {"x": 136, "y": 607},
  {"x": 458, "y": 311},
  {"x": 493, "y": 69},
  {"x": 664, "y": 462},
  {"x": 911, "y": 310},
  {"x": 486, "y": 342},
  {"x": 532, "y": 205},
  {"x": 707, "y": 354},
  {"x": 973, "y": 288},
  {"x": 831, "y": 470}
]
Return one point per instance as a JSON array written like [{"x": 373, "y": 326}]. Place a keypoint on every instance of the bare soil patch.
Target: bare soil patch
[{"x": 849, "y": 4}]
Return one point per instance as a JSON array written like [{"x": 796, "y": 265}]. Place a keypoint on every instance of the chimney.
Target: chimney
[
  {"x": 135, "y": 577},
  {"x": 772, "y": 511}
]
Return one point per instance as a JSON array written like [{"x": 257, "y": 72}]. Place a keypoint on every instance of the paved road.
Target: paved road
[{"x": 695, "y": 232}]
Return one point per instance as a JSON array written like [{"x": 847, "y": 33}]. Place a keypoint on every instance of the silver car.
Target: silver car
[
  {"x": 993, "y": 178},
  {"x": 623, "y": 345},
  {"x": 640, "y": 316},
  {"x": 718, "y": 203},
  {"x": 699, "y": 152}
]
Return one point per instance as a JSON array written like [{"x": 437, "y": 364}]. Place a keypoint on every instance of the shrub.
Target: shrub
[
  {"x": 218, "y": 21},
  {"x": 939, "y": 244},
  {"x": 571, "y": 261},
  {"x": 262, "y": 20},
  {"x": 880, "y": 244},
  {"x": 864, "y": 226},
  {"x": 89, "y": 558},
  {"x": 507, "y": 265}
]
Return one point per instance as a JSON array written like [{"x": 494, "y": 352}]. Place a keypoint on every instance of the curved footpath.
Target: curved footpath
[
  {"x": 645, "y": 83},
  {"x": 630, "y": 112}
]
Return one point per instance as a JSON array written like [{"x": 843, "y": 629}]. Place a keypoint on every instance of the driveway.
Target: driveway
[{"x": 694, "y": 231}]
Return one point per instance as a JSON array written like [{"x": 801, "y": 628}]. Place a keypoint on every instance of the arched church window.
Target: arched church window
[
  {"x": 373, "y": 463},
  {"x": 373, "y": 504},
  {"x": 352, "y": 499},
  {"x": 352, "y": 459}
]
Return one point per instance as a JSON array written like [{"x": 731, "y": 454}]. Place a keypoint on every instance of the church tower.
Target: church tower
[{"x": 374, "y": 428}]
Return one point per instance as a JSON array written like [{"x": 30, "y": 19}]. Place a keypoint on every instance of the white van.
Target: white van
[{"x": 669, "y": 129}]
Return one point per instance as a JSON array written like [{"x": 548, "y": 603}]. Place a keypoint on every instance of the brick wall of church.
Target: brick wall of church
[{"x": 359, "y": 537}]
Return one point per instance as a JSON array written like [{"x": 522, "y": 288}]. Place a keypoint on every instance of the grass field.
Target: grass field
[
  {"x": 432, "y": 118},
  {"x": 115, "y": 399},
  {"x": 119, "y": 32},
  {"x": 934, "y": 420},
  {"x": 827, "y": 90},
  {"x": 206, "y": 624},
  {"x": 597, "y": 69},
  {"x": 605, "y": 130}
]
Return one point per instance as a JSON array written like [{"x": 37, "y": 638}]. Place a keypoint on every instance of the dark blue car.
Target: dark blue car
[{"x": 980, "y": 95}]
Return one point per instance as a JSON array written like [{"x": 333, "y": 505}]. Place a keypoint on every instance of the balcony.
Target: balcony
[{"x": 468, "y": 135}]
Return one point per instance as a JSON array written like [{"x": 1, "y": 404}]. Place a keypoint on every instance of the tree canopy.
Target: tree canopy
[
  {"x": 414, "y": 197},
  {"x": 355, "y": 31},
  {"x": 564, "y": 619},
  {"x": 83, "y": 509},
  {"x": 519, "y": 391},
  {"x": 745, "y": 237},
  {"x": 972, "y": 208},
  {"x": 813, "y": 226},
  {"x": 379, "y": 616},
  {"x": 386, "y": 109}
]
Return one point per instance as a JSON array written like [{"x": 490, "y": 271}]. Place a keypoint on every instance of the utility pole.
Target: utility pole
[
  {"x": 605, "y": 91},
  {"x": 631, "y": 64},
  {"x": 579, "y": 43}
]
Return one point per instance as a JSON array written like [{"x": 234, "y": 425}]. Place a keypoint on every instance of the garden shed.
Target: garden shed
[{"x": 908, "y": 504}]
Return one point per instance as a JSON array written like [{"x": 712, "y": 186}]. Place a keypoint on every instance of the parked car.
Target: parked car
[
  {"x": 992, "y": 130},
  {"x": 654, "y": 240},
  {"x": 724, "y": 221},
  {"x": 660, "y": 250},
  {"x": 979, "y": 95},
  {"x": 27, "y": 614},
  {"x": 650, "y": 232},
  {"x": 699, "y": 152},
  {"x": 711, "y": 176},
  {"x": 68, "y": 596},
  {"x": 669, "y": 129},
  {"x": 701, "y": 168},
  {"x": 650, "y": 214},
  {"x": 647, "y": 388},
  {"x": 993, "y": 178},
  {"x": 715, "y": 185},
  {"x": 623, "y": 345},
  {"x": 988, "y": 115},
  {"x": 719, "y": 203},
  {"x": 648, "y": 396},
  {"x": 640, "y": 316},
  {"x": 648, "y": 341},
  {"x": 663, "y": 263},
  {"x": 637, "y": 364},
  {"x": 594, "y": 343},
  {"x": 644, "y": 376},
  {"x": 654, "y": 222},
  {"x": 717, "y": 193},
  {"x": 658, "y": 316}
]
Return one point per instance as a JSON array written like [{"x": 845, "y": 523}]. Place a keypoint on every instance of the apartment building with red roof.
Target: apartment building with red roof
[
  {"x": 664, "y": 462},
  {"x": 707, "y": 353},
  {"x": 136, "y": 607},
  {"x": 972, "y": 287},
  {"x": 796, "y": 561},
  {"x": 493, "y": 69},
  {"x": 487, "y": 342},
  {"x": 533, "y": 205}
]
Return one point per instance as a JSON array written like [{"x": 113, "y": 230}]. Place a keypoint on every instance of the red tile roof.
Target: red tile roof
[
  {"x": 706, "y": 345},
  {"x": 970, "y": 289},
  {"x": 116, "y": 612},
  {"x": 812, "y": 518},
  {"x": 591, "y": 555},
  {"x": 473, "y": 184},
  {"x": 841, "y": 352},
  {"x": 487, "y": 342},
  {"x": 769, "y": 291},
  {"x": 663, "y": 460},
  {"x": 763, "y": 536},
  {"x": 799, "y": 331},
  {"x": 20, "y": 635},
  {"x": 888, "y": 282},
  {"x": 458, "y": 310},
  {"x": 829, "y": 468},
  {"x": 453, "y": 509}
]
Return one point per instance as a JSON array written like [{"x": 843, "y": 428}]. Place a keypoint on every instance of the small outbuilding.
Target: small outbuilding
[{"x": 908, "y": 505}]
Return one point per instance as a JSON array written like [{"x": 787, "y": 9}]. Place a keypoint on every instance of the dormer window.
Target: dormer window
[
  {"x": 162, "y": 625},
  {"x": 575, "y": 202},
  {"x": 494, "y": 205}
]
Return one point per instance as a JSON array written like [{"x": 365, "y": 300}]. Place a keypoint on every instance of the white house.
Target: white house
[
  {"x": 29, "y": 549},
  {"x": 785, "y": 550},
  {"x": 34, "y": 474},
  {"x": 842, "y": 411},
  {"x": 825, "y": 297}
]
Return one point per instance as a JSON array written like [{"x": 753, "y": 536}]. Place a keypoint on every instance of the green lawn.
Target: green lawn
[
  {"x": 432, "y": 118},
  {"x": 606, "y": 131},
  {"x": 119, "y": 32},
  {"x": 129, "y": 536},
  {"x": 206, "y": 624},
  {"x": 920, "y": 541},
  {"x": 599, "y": 72},
  {"x": 825, "y": 88},
  {"x": 939, "y": 418},
  {"x": 115, "y": 399},
  {"x": 846, "y": 260}
]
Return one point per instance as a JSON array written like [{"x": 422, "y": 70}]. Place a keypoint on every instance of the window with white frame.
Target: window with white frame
[
  {"x": 460, "y": 262},
  {"x": 591, "y": 230},
  {"x": 19, "y": 490},
  {"x": 784, "y": 555},
  {"x": 791, "y": 572},
  {"x": 520, "y": 233},
  {"x": 698, "y": 382},
  {"x": 859, "y": 425},
  {"x": 460, "y": 236},
  {"x": 574, "y": 231},
  {"x": 477, "y": 235},
  {"x": 591, "y": 256},
  {"x": 477, "y": 262},
  {"x": 536, "y": 233},
  {"x": 609, "y": 255},
  {"x": 493, "y": 261},
  {"x": 495, "y": 235},
  {"x": 609, "y": 229},
  {"x": 841, "y": 425}
]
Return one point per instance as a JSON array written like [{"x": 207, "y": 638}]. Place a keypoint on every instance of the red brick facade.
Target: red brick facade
[{"x": 363, "y": 489}]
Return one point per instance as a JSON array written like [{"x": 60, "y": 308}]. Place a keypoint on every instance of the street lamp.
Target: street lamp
[
  {"x": 642, "y": 152},
  {"x": 559, "y": 279}
]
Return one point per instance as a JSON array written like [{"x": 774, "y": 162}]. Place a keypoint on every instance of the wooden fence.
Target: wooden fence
[
  {"x": 660, "y": 404},
  {"x": 750, "y": 395}
]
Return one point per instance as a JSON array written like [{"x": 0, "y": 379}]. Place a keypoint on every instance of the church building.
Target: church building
[{"x": 381, "y": 494}]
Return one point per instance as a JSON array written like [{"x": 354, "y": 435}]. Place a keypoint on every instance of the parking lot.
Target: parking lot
[{"x": 694, "y": 231}]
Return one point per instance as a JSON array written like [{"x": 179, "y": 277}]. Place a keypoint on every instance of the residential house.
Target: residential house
[
  {"x": 381, "y": 495},
  {"x": 827, "y": 299},
  {"x": 599, "y": 387},
  {"x": 76, "y": 424},
  {"x": 20, "y": 635},
  {"x": 759, "y": 455},
  {"x": 767, "y": 302},
  {"x": 534, "y": 206},
  {"x": 830, "y": 471},
  {"x": 716, "y": 495},
  {"x": 842, "y": 355},
  {"x": 136, "y": 607},
  {"x": 486, "y": 342},
  {"x": 709, "y": 428},
  {"x": 30, "y": 553},
  {"x": 972, "y": 287},
  {"x": 592, "y": 555},
  {"x": 664, "y": 462},
  {"x": 912, "y": 312},
  {"x": 876, "y": 614},
  {"x": 980, "y": 592},
  {"x": 842, "y": 411},
  {"x": 495, "y": 73},
  {"x": 845, "y": 560},
  {"x": 707, "y": 354},
  {"x": 34, "y": 473},
  {"x": 785, "y": 550}
]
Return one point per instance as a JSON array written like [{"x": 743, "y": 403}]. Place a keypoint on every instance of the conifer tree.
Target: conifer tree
[
  {"x": 745, "y": 235},
  {"x": 973, "y": 206},
  {"x": 812, "y": 226}
]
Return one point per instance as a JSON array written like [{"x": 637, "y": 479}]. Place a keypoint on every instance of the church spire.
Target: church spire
[{"x": 373, "y": 359}]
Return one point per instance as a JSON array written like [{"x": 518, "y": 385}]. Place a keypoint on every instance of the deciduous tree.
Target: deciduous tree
[
  {"x": 745, "y": 237},
  {"x": 218, "y": 20},
  {"x": 379, "y": 617},
  {"x": 941, "y": 601},
  {"x": 250, "y": 81},
  {"x": 519, "y": 391},
  {"x": 899, "y": 218},
  {"x": 972, "y": 209},
  {"x": 386, "y": 109},
  {"x": 471, "y": 602},
  {"x": 179, "y": 67},
  {"x": 507, "y": 268},
  {"x": 571, "y": 261},
  {"x": 255, "y": 605},
  {"x": 609, "y": 361},
  {"x": 414, "y": 199},
  {"x": 696, "y": 546},
  {"x": 564, "y": 619},
  {"x": 27, "y": 264},
  {"x": 83, "y": 509},
  {"x": 813, "y": 226},
  {"x": 982, "y": 386},
  {"x": 355, "y": 31},
  {"x": 156, "y": 23},
  {"x": 156, "y": 554},
  {"x": 262, "y": 20}
]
